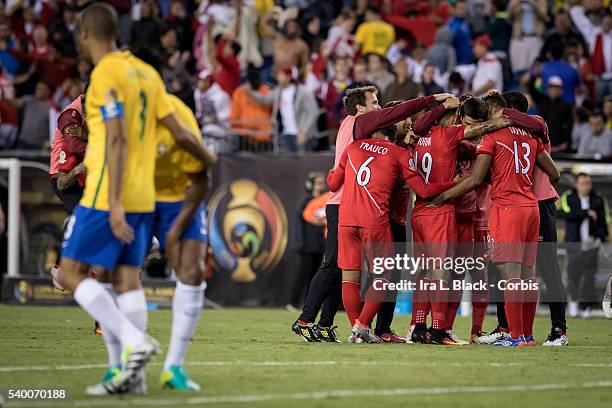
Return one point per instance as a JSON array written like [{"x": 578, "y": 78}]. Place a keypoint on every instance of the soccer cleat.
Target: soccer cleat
[
  {"x": 409, "y": 334},
  {"x": 55, "y": 278},
  {"x": 452, "y": 339},
  {"x": 530, "y": 341},
  {"x": 132, "y": 378},
  {"x": 419, "y": 334},
  {"x": 176, "y": 378},
  {"x": 391, "y": 337},
  {"x": 475, "y": 337},
  {"x": 98, "y": 329},
  {"x": 118, "y": 384},
  {"x": 305, "y": 331},
  {"x": 365, "y": 333},
  {"x": 510, "y": 342},
  {"x": 326, "y": 334},
  {"x": 496, "y": 335},
  {"x": 438, "y": 337},
  {"x": 556, "y": 338},
  {"x": 352, "y": 339},
  {"x": 110, "y": 373}
]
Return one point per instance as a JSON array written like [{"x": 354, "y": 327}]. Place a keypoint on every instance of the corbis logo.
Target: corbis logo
[{"x": 248, "y": 229}]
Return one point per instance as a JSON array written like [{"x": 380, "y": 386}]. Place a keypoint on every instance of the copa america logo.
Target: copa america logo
[{"x": 248, "y": 229}]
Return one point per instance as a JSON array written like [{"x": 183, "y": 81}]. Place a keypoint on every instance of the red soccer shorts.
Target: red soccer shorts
[
  {"x": 465, "y": 234},
  {"x": 514, "y": 232},
  {"x": 434, "y": 235},
  {"x": 352, "y": 241}
]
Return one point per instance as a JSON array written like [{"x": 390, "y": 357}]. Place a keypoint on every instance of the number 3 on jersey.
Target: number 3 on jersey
[
  {"x": 424, "y": 165},
  {"x": 365, "y": 173},
  {"x": 518, "y": 165}
]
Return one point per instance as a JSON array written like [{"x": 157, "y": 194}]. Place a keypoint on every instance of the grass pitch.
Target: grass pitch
[{"x": 249, "y": 357}]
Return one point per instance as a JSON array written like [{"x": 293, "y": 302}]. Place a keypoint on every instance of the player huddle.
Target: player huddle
[
  {"x": 472, "y": 165},
  {"x": 146, "y": 175}
]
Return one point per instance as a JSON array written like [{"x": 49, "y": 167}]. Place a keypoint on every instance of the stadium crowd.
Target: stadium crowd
[{"x": 267, "y": 75}]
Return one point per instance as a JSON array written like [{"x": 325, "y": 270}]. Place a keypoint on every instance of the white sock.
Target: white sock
[
  {"x": 133, "y": 305},
  {"x": 113, "y": 344},
  {"x": 186, "y": 308},
  {"x": 96, "y": 301}
]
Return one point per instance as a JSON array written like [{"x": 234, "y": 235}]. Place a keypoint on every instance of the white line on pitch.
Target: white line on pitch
[
  {"x": 291, "y": 363},
  {"x": 393, "y": 392}
]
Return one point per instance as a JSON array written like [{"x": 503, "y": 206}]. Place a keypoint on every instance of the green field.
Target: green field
[{"x": 249, "y": 357}]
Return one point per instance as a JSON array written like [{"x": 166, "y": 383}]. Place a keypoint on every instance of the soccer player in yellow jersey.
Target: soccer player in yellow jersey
[
  {"x": 112, "y": 223},
  {"x": 181, "y": 228}
]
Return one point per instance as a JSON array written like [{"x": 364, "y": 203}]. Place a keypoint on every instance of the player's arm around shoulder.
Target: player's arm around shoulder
[
  {"x": 479, "y": 171},
  {"x": 546, "y": 163},
  {"x": 335, "y": 177}
]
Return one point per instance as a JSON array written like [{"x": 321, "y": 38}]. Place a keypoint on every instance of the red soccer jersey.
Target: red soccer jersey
[
  {"x": 369, "y": 169},
  {"x": 435, "y": 158},
  {"x": 465, "y": 162},
  {"x": 514, "y": 154},
  {"x": 398, "y": 203}
]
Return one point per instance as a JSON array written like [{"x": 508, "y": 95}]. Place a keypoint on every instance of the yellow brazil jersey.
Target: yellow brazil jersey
[
  {"x": 121, "y": 85},
  {"x": 375, "y": 36},
  {"x": 174, "y": 163}
]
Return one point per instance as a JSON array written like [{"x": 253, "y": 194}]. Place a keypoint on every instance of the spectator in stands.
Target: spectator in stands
[
  {"x": 309, "y": 236},
  {"x": 554, "y": 110},
  {"x": 332, "y": 89},
  {"x": 460, "y": 29},
  {"x": 581, "y": 126},
  {"x": 294, "y": 113},
  {"x": 312, "y": 33},
  {"x": 374, "y": 35},
  {"x": 456, "y": 84},
  {"x": 225, "y": 63},
  {"x": 560, "y": 68},
  {"x": 429, "y": 85},
  {"x": 62, "y": 31},
  {"x": 289, "y": 49},
  {"x": 250, "y": 120},
  {"x": 212, "y": 111},
  {"x": 378, "y": 73},
  {"x": 146, "y": 31},
  {"x": 53, "y": 67},
  {"x": 607, "y": 109},
  {"x": 599, "y": 38},
  {"x": 441, "y": 53},
  {"x": 597, "y": 140},
  {"x": 39, "y": 43},
  {"x": 489, "y": 74},
  {"x": 561, "y": 34},
  {"x": 180, "y": 22},
  {"x": 417, "y": 62},
  {"x": 8, "y": 60},
  {"x": 528, "y": 19},
  {"x": 586, "y": 223},
  {"x": 403, "y": 88},
  {"x": 34, "y": 134},
  {"x": 499, "y": 28}
]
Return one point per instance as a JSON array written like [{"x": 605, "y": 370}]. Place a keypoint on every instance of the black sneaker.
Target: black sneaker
[
  {"x": 437, "y": 336},
  {"x": 307, "y": 332},
  {"x": 419, "y": 334},
  {"x": 556, "y": 338},
  {"x": 326, "y": 334}
]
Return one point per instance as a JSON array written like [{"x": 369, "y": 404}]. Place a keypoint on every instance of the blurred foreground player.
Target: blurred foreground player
[
  {"x": 180, "y": 226},
  {"x": 512, "y": 155},
  {"x": 111, "y": 226}
]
